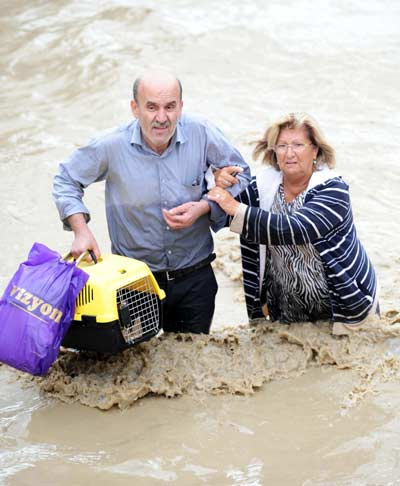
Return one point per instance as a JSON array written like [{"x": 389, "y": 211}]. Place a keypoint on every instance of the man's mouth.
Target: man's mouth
[{"x": 159, "y": 127}]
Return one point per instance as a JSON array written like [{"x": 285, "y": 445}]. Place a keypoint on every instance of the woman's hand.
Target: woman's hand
[
  {"x": 224, "y": 199},
  {"x": 226, "y": 177}
]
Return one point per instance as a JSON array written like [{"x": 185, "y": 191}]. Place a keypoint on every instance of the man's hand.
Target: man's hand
[
  {"x": 84, "y": 239},
  {"x": 224, "y": 199},
  {"x": 226, "y": 177},
  {"x": 186, "y": 214}
]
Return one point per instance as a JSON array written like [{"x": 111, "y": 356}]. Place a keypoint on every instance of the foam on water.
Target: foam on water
[{"x": 235, "y": 361}]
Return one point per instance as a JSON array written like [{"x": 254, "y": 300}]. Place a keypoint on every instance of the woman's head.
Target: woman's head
[{"x": 272, "y": 149}]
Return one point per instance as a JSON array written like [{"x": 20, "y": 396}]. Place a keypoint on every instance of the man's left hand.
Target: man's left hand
[{"x": 186, "y": 214}]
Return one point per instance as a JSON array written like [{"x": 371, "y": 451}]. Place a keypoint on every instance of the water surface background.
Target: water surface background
[{"x": 67, "y": 69}]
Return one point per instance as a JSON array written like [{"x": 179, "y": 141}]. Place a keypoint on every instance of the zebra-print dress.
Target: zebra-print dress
[{"x": 294, "y": 274}]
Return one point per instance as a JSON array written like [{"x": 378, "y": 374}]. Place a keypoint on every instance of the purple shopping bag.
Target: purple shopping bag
[{"x": 37, "y": 309}]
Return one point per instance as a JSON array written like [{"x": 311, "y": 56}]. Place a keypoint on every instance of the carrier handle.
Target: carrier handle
[{"x": 82, "y": 256}]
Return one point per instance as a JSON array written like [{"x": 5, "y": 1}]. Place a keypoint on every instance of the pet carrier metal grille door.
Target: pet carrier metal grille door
[{"x": 138, "y": 310}]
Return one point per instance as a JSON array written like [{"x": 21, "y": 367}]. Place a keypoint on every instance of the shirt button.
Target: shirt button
[
  {"x": 167, "y": 227},
  {"x": 169, "y": 252},
  {"x": 165, "y": 202}
]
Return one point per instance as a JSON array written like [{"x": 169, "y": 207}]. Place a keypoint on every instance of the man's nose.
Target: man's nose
[{"x": 161, "y": 116}]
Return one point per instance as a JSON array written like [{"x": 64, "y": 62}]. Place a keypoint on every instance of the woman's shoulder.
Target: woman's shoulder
[
  {"x": 334, "y": 183},
  {"x": 326, "y": 178},
  {"x": 332, "y": 189}
]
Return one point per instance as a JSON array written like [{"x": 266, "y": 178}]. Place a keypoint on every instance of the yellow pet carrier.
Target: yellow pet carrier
[{"x": 119, "y": 306}]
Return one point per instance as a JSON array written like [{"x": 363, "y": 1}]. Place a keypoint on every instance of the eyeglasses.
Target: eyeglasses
[{"x": 281, "y": 148}]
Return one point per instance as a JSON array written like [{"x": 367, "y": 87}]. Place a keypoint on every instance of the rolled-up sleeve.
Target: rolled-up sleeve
[
  {"x": 237, "y": 222},
  {"x": 85, "y": 166},
  {"x": 221, "y": 153}
]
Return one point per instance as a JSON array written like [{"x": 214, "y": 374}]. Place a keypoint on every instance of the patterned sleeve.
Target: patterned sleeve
[{"x": 326, "y": 206}]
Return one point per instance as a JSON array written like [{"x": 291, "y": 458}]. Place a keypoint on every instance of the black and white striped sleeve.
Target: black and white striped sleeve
[{"x": 326, "y": 206}]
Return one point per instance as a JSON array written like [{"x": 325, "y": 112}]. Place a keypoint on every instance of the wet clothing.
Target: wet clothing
[
  {"x": 190, "y": 302},
  {"x": 295, "y": 274},
  {"x": 139, "y": 183},
  {"x": 324, "y": 221}
]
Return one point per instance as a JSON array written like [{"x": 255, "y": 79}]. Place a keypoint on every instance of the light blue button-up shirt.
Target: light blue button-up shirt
[{"x": 140, "y": 182}]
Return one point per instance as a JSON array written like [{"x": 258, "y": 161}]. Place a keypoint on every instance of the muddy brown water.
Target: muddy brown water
[{"x": 271, "y": 405}]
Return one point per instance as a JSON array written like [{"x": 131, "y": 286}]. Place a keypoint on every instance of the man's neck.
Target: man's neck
[{"x": 159, "y": 149}]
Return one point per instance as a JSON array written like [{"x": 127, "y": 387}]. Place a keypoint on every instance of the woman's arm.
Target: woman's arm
[
  {"x": 326, "y": 206},
  {"x": 248, "y": 197}
]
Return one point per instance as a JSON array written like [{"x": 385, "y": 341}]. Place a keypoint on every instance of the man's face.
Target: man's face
[{"x": 158, "y": 109}]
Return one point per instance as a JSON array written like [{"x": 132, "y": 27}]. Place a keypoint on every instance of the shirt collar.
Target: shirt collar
[{"x": 178, "y": 137}]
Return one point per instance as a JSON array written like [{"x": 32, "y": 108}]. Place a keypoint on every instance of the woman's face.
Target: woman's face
[{"x": 295, "y": 153}]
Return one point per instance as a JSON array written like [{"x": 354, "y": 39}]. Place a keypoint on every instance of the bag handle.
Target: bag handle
[{"x": 82, "y": 256}]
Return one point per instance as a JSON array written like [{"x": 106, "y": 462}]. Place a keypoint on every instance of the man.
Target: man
[{"x": 156, "y": 205}]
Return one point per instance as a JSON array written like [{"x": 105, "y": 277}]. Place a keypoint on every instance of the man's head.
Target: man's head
[{"x": 157, "y": 104}]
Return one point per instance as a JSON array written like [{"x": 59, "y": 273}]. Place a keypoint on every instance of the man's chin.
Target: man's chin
[
  {"x": 160, "y": 143},
  {"x": 162, "y": 137}
]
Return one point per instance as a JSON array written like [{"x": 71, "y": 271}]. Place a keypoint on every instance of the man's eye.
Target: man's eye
[{"x": 170, "y": 107}]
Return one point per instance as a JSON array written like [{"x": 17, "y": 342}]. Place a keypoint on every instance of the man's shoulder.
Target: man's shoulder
[
  {"x": 115, "y": 134},
  {"x": 193, "y": 121},
  {"x": 197, "y": 125},
  {"x": 198, "y": 121}
]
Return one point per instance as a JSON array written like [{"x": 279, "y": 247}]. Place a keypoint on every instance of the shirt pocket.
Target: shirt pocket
[{"x": 193, "y": 184}]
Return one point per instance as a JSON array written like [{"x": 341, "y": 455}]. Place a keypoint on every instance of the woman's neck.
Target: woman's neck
[{"x": 293, "y": 187}]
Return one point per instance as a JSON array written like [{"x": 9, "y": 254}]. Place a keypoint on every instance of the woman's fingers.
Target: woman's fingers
[{"x": 225, "y": 177}]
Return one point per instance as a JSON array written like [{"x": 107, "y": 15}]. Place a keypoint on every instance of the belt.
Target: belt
[{"x": 181, "y": 272}]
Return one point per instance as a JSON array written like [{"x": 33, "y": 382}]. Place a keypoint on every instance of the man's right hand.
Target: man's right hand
[
  {"x": 226, "y": 177},
  {"x": 84, "y": 239}
]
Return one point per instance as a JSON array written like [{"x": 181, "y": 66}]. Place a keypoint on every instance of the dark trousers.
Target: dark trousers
[{"x": 190, "y": 301}]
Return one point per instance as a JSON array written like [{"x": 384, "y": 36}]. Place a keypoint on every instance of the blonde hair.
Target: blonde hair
[{"x": 265, "y": 147}]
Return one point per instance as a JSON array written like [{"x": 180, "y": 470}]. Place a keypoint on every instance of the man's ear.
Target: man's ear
[{"x": 134, "y": 108}]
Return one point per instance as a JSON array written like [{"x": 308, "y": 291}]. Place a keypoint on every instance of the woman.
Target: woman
[{"x": 302, "y": 260}]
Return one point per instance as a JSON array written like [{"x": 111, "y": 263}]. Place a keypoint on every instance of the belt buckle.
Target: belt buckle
[{"x": 169, "y": 277}]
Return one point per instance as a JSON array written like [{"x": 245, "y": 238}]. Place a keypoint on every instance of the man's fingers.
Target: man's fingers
[
  {"x": 226, "y": 176},
  {"x": 175, "y": 211},
  {"x": 173, "y": 218},
  {"x": 76, "y": 253},
  {"x": 170, "y": 215},
  {"x": 181, "y": 209}
]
